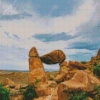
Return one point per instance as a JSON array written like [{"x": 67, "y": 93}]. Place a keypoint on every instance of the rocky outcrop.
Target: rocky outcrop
[
  {"x": 98, "y": 54},
  {"x": 56, "y": 56},
  {"x": 80, "y": 81},
  {"x": 52, "y": 84},
  {"x": 76, "y": 65}
]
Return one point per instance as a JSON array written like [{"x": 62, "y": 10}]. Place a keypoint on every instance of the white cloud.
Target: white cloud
[{"x": 7, "y": 9}]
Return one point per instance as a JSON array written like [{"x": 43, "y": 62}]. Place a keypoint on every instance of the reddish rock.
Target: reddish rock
[
  {"x": 56, "y": 56},
  {"x": 80, "y": 81},
  {"x": 7, "y": 81},
  {"x": 35, "y": 63},
  {"x": 37, "y": 74},
  {"x": 76, "y": 65},
  {"x": 33, "y": 52}
]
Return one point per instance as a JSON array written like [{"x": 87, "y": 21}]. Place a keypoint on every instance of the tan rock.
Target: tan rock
[
  {"x": 80, "y": 81},
  {"x": 17, "y": 87},
  {"x": 37, "y": 74},
  {"x": 63, "y": 69},
  {"x": 35, "y": 63},
  {"x": 33, "y": 52},
  {"x": 76, "y": 65},
  {"x": 52, "y": 84},
  {"x": 98, "y": 54},
  {"x": 43, "y": 90},
  {"x": 7, "y": 81},
  {"x": 23, "y": 86},
  {"x": 60, "y": 77},
  {"x": 56, "y": 56}
]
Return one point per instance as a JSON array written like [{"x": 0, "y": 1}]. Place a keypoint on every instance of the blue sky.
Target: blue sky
[{"x": 72, "y": 26}]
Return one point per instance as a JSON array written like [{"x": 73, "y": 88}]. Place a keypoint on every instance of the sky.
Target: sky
[{"x": 72, "y": 26}]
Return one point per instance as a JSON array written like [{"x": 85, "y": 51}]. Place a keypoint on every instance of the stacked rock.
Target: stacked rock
[{"x": 36, "y": 67}]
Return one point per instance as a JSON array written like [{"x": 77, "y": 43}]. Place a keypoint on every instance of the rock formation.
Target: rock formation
[
  {"x": 56, "y": 56},
  {"x": 80, "y": 81},
  {"x": 36, "y": 67}
]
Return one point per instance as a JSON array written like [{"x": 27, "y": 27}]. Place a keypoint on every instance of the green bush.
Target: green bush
[
  {"x": 97, "y": 96},
  {"x": 77, "y": 96},
  {"x": 96, "y": 70},
  {"x": 30, "y": 92},
  {"x": 4, "y": 93},
  {"x": 83, "y": 62}
]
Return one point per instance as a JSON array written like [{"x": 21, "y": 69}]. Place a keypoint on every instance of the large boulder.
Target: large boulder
[
  {"x": 76, "y": 65},
  {"x": 80, "y": 81},
  {"x": 56, "y": 56},
  {"x": 35, "y": 62},
  {"x": 37, "y": 74},
  {"x": 52, "y": 84},
  {"x": 33, "y": 52},
  {"x": 98, "y": 54}
]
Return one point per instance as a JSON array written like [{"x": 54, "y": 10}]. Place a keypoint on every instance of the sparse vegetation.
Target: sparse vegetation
[
  {"x": 30, "y": 92},
  {"x": 97, "y": 96},
  {"x": 77, "y": 96},
  {"x": 96, "y": 70},
  {"x": 4, "y": 93},
  {"x": 83, "y": 62}
]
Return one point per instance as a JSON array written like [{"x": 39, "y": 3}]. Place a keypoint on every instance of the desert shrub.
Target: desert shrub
[
  {"x": 30, "y": 92},
  {"x": 97, "y": 96},
  {"x": 96, "y": 70},
  {"x": 77, "y": 96},
  {"x": 4, "y": 93},
  {"x": 83, "y": 62}
]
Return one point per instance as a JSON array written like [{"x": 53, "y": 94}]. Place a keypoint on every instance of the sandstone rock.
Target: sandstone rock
[
  {"x": 43, "y": 90},
  {"x": 56, "y": 56},
  {"x": 33, "y": 52},
  {"x": 23, "y": 86},
  {"x": 80, "y": 81},
  {"x": 37, "y": 74},
  {"x": 35, "y": 63},
  {"x": 52, "y": 84},
  {"x": 7, "y": 81},
  {"x": 76, "y": 65},
  {"x": 60, "y": 77}
]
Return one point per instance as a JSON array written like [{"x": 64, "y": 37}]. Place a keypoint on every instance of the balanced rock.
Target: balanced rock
[
  {"x": 56, "y": 56},
  {"x": 76, "y": 65},
  {"x": 35, "y": 62},
  {"x": 37, "y": 74},
  {"x": 80, "y": 81},
  {"x": 8, "y": 82},
  {"x": 33, "y": 52}
]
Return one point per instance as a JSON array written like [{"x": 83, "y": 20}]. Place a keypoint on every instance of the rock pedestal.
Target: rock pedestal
[{"x": 36, "y": 67}]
